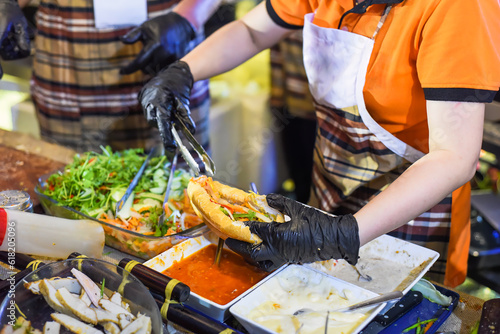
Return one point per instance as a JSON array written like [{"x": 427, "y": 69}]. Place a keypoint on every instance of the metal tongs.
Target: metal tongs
[
  {"x": 119, "y": 205},
  {"x": 193, "y": 165},
  {"x": 207, "y": 160},
  {"x": 181, "y": 148}
]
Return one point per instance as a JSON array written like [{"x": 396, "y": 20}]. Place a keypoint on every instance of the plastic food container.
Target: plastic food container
[
  {"x": 180, "y": 251},
  {"x": 296, "y": 287},
  {"x": 393, "y": 264},
  {"x": 37, "y": 311},
  {"x": 130, "y": 242}
]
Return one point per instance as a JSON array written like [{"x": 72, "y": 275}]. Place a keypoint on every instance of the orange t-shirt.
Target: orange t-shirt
[{"x": 444, "y": 50}]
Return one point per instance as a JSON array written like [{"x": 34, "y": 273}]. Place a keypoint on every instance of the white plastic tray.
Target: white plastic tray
[
  {"x": 164, "y": 260},
  {"x": 393, "y": 264},
  {"x": 297, "y": 287}
]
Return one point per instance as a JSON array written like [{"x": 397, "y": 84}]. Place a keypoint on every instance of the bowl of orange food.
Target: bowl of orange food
[{"x": 214, "y": 289}]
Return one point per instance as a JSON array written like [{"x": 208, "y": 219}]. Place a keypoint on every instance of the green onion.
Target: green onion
[
  {"x": 418, "y": 324},
  {"x": 224, "y": 211},
  {"x": 250, "y": 215},
  {"x": 102, "y": 286}
]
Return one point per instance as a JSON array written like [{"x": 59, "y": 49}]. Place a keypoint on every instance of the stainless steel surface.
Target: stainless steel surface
[
  {"x": 362, "y": 277},
  {"x": 193, "y": 165},
  {"x": 218, "y": 254},
  {"x": 373, "y": 301},
  {"x": 326, "y": 322},
  {"x": 135, "y": 180},
  {"x": 207, "y": 160}
]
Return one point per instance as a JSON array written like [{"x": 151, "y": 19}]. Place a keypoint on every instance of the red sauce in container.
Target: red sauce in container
[{"x": 220, "y": 284}]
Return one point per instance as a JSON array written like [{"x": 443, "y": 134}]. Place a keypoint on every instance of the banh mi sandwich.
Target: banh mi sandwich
[{"x": 225, "y": 209}]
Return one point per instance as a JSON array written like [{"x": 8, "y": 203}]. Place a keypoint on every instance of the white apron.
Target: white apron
[{"x": 355, "y": 158}]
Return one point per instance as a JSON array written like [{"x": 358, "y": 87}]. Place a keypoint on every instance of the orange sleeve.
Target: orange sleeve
[
  {"x": 459, "y": 51},
  {"x": 289, "y": 13}
]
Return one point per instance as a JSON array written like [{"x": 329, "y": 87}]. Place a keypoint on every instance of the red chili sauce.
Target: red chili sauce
[{"x": 218, "y": 284}]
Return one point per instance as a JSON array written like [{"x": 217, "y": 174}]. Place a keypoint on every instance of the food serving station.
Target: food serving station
[{"x": 157, "y": 264}]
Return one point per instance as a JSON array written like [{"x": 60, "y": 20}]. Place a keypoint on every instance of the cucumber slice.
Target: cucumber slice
[
  {"x": 125, "y": 211},
  {"x": 151, "y": 195},
  {"x": 96, "y": 212},
  {"x": 159, "y": 173},
  {"x": 146, "y": 203},
  {"x": 118, "y": 193},
  {"x": 158, "y": 190}
]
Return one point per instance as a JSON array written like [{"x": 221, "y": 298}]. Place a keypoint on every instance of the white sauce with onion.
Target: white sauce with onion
[
  {"x": 386, "y": 275},
  {"x": 300, "y": 289}
]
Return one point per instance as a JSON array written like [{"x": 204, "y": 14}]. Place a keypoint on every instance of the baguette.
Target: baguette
[{"x": 224, "y": 209}]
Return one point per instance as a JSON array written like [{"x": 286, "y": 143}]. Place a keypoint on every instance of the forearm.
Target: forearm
[
  {"x": 455, "y": 142},
  {"x": 219, "y": 53},
  {"x": 418, "y": 189},
  {"x": 234, "y": 44},
  {"x": 197, "y": 11}
]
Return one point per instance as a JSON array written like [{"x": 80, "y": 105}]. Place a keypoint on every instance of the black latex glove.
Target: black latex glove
[
  {"x": 168, "y": 93},
  {"x": 14, "y": 33},
  {"x": 311, "y": 235},
  {"x": 166, "y": 39}
]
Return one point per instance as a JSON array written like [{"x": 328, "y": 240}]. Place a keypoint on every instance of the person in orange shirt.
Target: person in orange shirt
[{"x": 399, "y": 89}]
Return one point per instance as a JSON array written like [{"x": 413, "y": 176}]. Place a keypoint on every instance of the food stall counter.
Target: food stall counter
[{"x": 462, "y": 320}]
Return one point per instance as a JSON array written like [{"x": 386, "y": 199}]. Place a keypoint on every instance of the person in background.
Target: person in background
[
  {"x": 86, "y": 78},
  {"x": 399, "y": 90},
  {"x": 14, "y": 34},
  {"x": 292, "y": 105}
]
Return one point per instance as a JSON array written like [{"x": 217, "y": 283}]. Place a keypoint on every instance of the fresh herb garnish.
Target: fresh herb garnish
[
  {"x": 250, "y": 215},
  {"x": 102, "y": 286},
  {"x": 418, "y": 325}
]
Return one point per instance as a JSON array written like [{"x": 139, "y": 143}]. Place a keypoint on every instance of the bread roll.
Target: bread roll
[{"x": 208, "y": 197}]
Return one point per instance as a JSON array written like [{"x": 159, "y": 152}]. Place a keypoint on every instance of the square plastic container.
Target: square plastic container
[
  {"x": 296, "y": 287},
  {"x": 393, "y": 264},
  {"x": 130, "y": 242},
  {"x": 182, "y": 250}
]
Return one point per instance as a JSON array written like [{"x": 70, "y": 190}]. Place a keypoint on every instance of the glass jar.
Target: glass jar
[{"x": 16, "y": 200}]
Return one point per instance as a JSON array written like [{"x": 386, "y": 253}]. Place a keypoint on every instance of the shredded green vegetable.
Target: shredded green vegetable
[
  {"x": 89, "y": 181},
  {"x": 418, "y": 325},
  {"x": 102, "y": 286},
  {"x": 94, "y": 182},
  {"x": 250, "y": 215}
]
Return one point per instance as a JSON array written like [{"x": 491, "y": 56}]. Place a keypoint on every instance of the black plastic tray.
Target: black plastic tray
[{"x": 424, "y": 311}]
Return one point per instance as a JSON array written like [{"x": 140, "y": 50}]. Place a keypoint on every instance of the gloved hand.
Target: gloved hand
[
  {"x": 14, "y": 35},
  {"x": 311, "y": 235},
  {"x": 168, "y": 93},
  {"x": 166, "y": 39}
]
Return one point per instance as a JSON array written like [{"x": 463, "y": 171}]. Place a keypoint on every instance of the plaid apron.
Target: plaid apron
[
  {"x": 81, "y": 99},
  {"x": 355, "y": 158},
  {"x": 289, "y": 86}
]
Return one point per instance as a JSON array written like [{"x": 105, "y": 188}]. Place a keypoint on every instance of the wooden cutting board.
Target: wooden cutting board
[{"x": 23, "y": 159}]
